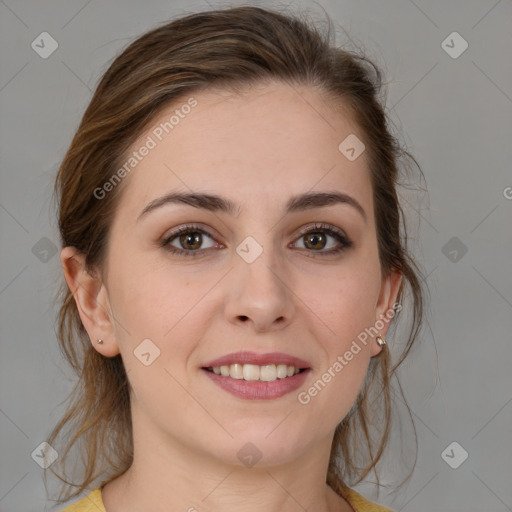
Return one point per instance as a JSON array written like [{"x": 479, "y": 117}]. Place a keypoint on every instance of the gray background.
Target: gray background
[{"x": 454, "y": 115}]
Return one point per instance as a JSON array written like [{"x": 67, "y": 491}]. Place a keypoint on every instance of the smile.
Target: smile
[
  {"x": 253, "y": 372},
  {"x": 257, "y": 376}
]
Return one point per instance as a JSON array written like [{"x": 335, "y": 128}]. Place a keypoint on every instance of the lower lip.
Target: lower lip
[{"x": 258, "y": 390}]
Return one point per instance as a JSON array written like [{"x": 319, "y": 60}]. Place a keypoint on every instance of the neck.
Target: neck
[{"x": 168, "y": 475}]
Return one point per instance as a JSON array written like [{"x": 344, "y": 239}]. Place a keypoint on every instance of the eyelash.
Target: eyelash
[{"x": 339, "y": 235}]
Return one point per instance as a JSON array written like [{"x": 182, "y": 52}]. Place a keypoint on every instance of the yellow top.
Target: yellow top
[{"x": 94, "y": 503}]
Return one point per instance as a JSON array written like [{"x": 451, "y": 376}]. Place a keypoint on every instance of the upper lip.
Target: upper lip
[{"x": 246, "y": 357}]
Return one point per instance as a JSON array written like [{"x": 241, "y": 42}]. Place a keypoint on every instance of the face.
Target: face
[{"x": 278, "y": 279}]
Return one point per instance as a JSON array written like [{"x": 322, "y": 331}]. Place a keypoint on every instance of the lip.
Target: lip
[
  {"x": 258, "y": 390},
  {"x": 247, "y": 357}
]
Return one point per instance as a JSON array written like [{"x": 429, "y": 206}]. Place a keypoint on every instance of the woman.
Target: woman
[{"x": 233, "y": 255}]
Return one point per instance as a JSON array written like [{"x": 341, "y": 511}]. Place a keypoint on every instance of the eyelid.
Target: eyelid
[
  {"x": 184, "y": 228},
  {"x": 321, "y": 226}
]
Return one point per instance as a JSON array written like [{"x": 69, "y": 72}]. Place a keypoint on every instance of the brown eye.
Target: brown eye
[
  {"x": 315, "y": 241},
  {"x": 323, "y": 239},
  {"x": 191, "y": 241}
]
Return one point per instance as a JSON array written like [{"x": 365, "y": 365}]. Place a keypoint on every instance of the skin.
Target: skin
[{"x": 258, "y": 149}]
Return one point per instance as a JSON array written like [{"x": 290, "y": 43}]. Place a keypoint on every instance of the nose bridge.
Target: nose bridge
[
  {"x": 263, "y": 276},
  {"x": 260, "y": 293}
]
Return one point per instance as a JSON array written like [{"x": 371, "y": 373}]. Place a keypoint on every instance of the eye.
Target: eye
[
  {"x": 188, "y": 241},
  {"x": 316, "y": 239},
  {"x": 323, "y": 239}
]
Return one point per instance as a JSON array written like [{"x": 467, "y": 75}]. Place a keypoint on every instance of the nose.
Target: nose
[{"x": 259, "y": 295}]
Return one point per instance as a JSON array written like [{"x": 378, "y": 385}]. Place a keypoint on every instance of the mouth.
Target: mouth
[
  {"x": 253, "y": 372},
  {"x": 253, "y": 376}
]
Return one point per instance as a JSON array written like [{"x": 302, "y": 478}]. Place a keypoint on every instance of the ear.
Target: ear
[
  {"x": 390, "y": 288},
  {"x": 91, "y": 298}
]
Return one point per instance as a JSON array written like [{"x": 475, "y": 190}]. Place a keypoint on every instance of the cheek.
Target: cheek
[
  {"x": 338, "y": 381},
  {"x": 347, "y": 300},
  {"x": 150, "y": 300}
]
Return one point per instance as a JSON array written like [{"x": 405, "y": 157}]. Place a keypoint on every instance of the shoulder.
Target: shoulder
[
  {"x": 91, "y": 503},
  {"x": 361, "y": 504}
]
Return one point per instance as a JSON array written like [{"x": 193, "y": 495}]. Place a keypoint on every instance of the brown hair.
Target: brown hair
[{"x": 228, "y": 48}]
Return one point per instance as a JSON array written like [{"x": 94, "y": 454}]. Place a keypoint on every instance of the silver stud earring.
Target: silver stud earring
[{"x": 99, "y": 341}]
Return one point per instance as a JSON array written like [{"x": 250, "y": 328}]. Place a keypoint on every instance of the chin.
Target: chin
[{"x": 262, "y": 443}]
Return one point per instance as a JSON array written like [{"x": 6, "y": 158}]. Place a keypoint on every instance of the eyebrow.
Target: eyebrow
[{"x": 215, "y": 203}]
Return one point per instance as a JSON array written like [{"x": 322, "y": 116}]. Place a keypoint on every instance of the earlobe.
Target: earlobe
[{"x": 91, "y": 298}]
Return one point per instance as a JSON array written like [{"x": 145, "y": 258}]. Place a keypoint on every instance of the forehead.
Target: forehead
[{"x": 269, "y": 141}]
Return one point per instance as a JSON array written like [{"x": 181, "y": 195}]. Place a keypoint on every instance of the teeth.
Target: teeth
[
  {"x": 282, "y": 371},
  {"x": 236, "y": 371},
  {"x": 268, "y": 373},
  {"x": 252, "y": 372}
]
